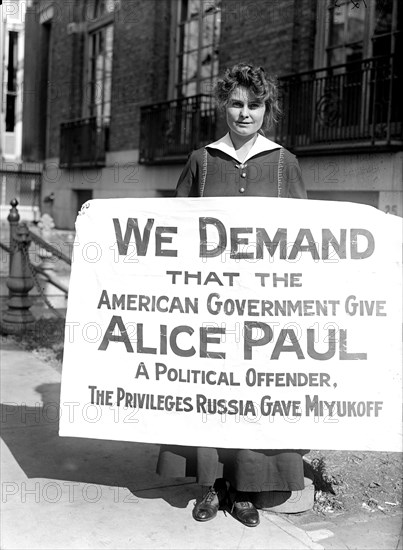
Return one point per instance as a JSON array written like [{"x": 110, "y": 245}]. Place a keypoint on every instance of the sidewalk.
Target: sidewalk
[
  {"x": 81, "y": 493},
  {"x": 67, "y": 493}
]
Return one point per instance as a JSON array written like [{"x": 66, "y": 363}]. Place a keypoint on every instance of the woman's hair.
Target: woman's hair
[{"x": 254, "y": 79}]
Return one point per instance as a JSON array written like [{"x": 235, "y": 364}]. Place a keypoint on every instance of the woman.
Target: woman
[{"x": 242, "y": 163}]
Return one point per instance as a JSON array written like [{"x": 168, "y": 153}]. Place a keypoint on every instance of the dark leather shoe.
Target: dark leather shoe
[
  {"x": 246, "y": 513},
  {"x": 207, "y": 508}
]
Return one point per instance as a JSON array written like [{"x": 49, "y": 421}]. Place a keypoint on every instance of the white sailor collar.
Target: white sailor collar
[{"x": 261, "y": 145}]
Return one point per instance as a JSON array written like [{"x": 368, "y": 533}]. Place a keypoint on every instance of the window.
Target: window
[
  {"x": 346, "y": 32},
  {"x": 353, "y": 94},
  {"x": 84, "y": 140},
  {"x": 387, "y": 35},
  {"x": 99, "y": 61},
  {"x": 359, "y": 29},
  {"x": 11, "y": 93},
  {"x": 360, "y": 39},
  {"x": 198, "y": 36}
]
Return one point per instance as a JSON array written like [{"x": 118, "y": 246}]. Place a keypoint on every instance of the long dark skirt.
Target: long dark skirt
[{"x": 246, "y": 470}]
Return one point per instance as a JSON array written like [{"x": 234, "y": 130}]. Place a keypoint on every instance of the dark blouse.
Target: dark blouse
[{"x": 259, "y": 176}]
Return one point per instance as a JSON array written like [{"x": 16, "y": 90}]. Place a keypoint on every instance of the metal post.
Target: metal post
[
  {"x": 18, "y": 317},
  {"x": 13, "y": 219}
]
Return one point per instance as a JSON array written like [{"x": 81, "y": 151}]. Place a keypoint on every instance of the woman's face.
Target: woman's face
[{"x": 244, "y": 113}]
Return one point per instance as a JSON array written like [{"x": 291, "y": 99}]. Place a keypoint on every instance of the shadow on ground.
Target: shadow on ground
[{"x": 31, "y": 434}]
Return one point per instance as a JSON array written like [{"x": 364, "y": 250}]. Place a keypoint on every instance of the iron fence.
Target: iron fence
[
  {"x": 24, "y": 185},
  {"x": 351, "y": 104},
  {"x": 83, "y": 142},
  {"x": 170, "y": 130}
]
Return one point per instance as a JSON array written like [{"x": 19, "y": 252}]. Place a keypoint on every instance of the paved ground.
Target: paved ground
[
  {"x": 67, "y": 493},
  {"x": 80, "y": 493}
]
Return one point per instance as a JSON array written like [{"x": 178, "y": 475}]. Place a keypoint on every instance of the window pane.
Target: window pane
[
  {"x": 198, "y": 38},
  {"x": 100, "y": 75},
  {"x": 337, "y": 18},
  {"x": 353, "y": 53},
  {"x": 206, "y": 62},
  {"x": 336, "y": 56},
  {"x": 183, "y": 10},
  {"x": 189, "y": 89},
  {"x": 194, "y": 9},
  {"x": 109, "y": 39},
  {"x": 210, "y": 7},
  {"x": 108, "y": 73},
  {"x": 215, "y": 63},
  {"x": 12, "y": 61},
  {"x": 191, "y": 29},
  {"x": 355, "y": 24},
  {"x": 10, "y": 112},
  {"x": 382, "y": 45},
  {"x": 190, "y": 61},
  {"x": 399, "y": 34},
  {"x": 382, "y": 37},
  {"x": 104, "y": 6},
  {"x": 346, "y": 31},
  {"x": 208, "y": 29},
  {"x": 109, "y": 6},
  {"x": 383, "y": 16}
]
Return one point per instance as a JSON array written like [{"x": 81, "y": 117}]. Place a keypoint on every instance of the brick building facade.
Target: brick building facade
[
  {"x": 120, "y": 93},
  {"x": 277, "y": 35}
]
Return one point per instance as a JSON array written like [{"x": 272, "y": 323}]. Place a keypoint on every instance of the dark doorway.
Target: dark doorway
[{"x": 82, "y": 196}]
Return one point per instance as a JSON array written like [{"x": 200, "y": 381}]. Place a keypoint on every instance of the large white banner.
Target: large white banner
[{"x": 235, "y": 322}]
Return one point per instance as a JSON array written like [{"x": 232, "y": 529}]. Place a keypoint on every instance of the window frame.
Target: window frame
[
  {"x": 322, "y": 47},
  {"x": 93, "y": 27},
  {"x": 179, "y": 50}
]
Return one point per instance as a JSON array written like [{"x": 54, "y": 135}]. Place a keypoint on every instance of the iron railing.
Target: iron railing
[
  {"x": 351, "y": 105},
  {"x": 83, "y": 142},
  {"x": 170, "y": 130}
]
